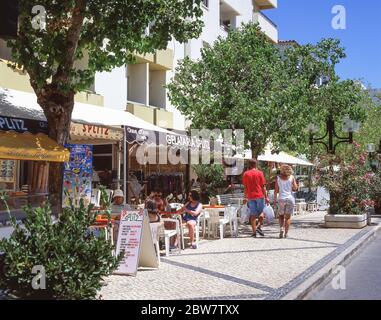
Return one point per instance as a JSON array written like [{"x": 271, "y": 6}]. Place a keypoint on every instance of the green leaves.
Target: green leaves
[
  {"x": 245, "y": 82},
  {"x": 75, "y": 261},
  {"x": 85, "y": 25},
  {"x": 211, "y": 175}
]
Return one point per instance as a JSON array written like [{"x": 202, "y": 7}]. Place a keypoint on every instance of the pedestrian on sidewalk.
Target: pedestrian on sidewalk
[
  {"x": 256, "y": 196},
  {"x": 285, "y": 186}
]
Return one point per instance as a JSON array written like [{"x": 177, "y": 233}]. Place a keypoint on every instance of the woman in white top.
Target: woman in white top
[{"x": 285, "y": 185}]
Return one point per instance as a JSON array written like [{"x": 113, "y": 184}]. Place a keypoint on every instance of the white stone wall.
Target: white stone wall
[{"x": 113, "y": 87}]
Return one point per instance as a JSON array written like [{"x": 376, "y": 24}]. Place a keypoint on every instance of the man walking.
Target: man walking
[{"x": 256, "y": 195}]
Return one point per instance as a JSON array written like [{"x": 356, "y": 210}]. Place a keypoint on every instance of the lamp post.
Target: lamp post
[
  {"x": 349, "y": 127},
  {"x": 374, "y": 155},
  {"x": 373, "y": 162}
]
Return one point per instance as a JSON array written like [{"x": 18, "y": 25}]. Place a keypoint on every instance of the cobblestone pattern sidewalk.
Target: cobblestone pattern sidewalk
[{"x": 239, "y": 268}]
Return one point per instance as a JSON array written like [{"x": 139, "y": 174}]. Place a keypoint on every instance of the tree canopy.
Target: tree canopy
[
  {"x": 54, "y": 36},
  {"x": 247, "y": 82},
  {"x": 107, "y": 32}
]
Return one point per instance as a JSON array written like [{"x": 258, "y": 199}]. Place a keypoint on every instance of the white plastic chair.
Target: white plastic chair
[
  {"x": 184, "y": 232},
  {"x": 215, "y": 223},
  {"x": 168, "y": 234},
  {"x": 231, "y": 214},
  {"x": 95, "y": 197},
  {"x": 312, "y": 207},
  {"x": 156, "y": 230}
]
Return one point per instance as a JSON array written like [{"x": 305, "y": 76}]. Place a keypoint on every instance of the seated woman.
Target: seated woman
[
  {"x": 192, "y": 210},
  {"x": 153, "y": 212}
]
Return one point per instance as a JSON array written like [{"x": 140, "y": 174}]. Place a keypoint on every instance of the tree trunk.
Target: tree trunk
[
  {"x": 57, "y": 108},
  {"x": 255, "y": 150}
]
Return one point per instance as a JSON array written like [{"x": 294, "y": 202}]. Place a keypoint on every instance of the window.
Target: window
[
  {"x": 102, "y": 157},
  {"x": 205, "y": 3}
]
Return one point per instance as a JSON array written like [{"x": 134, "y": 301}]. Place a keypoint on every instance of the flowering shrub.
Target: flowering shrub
[
  {"x": 350, "y": 182},
  {"x": 74, "y": 259}
]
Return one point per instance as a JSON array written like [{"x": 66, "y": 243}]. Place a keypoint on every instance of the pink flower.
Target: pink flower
[{"x": 362, "y": 159}]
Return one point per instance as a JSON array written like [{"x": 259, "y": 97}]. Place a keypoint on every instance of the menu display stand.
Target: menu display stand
[{"x": 135, "y": 239}]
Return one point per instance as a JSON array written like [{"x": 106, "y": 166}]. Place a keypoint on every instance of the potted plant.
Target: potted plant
[{"x": 351, "y": 186}]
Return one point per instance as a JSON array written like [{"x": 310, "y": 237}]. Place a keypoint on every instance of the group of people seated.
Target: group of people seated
[{"x": 157, "y": 206}]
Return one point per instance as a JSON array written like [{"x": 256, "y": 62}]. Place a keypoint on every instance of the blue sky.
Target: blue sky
[{"x": 308, "y": 21}]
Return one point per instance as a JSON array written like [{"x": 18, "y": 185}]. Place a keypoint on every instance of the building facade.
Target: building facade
[{"x": 140, "y": 88}]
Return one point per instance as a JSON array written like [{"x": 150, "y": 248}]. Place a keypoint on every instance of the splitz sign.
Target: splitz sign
[
  {"x": 23, "y": 125},
  {"x": 91, "y": 131}
]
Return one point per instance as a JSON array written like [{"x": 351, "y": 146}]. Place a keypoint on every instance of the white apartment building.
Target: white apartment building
[{"x": 139, "y": 88}]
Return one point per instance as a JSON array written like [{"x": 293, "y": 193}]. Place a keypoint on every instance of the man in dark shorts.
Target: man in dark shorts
[{"x": 256, "y": 195}]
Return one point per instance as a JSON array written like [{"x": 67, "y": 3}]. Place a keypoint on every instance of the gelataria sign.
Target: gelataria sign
[
  {"x": 187, "y": 142},
  {"x": 94, "y": 132}
]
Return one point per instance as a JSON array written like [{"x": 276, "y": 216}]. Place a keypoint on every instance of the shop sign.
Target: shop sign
[
  {"x": 140, "y": 136},
  {"x": 95, "y": 132},
  {"x": 135, "y": 241},
  {"x": 78, "y": 174},
  {"x": 187, "y": 142},
  {"x": 23, "y": 125}
]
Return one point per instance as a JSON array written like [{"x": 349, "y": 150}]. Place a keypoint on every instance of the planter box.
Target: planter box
[{"x": 346, "y": 221}]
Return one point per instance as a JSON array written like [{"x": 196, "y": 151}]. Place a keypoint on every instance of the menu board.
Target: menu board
[
  {"x": 135, "y": 239},
  {"x": 8, "y": 171},
  {"x": 78, "y": 174},
  {"x": 130, "y": 232}
]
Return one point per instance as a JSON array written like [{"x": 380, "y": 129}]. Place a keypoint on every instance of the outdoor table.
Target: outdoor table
[
  {"x": 219, "y": 209},
  {"x": 213, "y": 211}
]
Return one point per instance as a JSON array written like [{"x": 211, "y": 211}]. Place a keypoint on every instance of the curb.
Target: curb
[{"x": 313, "y": 282}]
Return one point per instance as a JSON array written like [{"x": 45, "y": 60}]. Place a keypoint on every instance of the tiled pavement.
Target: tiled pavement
[{"x": 239, "y": 268}]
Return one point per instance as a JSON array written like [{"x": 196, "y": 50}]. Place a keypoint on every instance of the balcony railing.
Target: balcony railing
[
  {"x": 224, "y": 28},
  {"x": 268, "y": 27},
  {"x": 267, "y": 19}
]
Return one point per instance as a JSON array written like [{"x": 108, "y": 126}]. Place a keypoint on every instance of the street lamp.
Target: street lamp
[
  {"x": 349, "y": 126},
  {"x": 374, "y": 155}
]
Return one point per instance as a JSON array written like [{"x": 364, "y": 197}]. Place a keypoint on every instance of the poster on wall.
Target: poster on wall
[
  {"x": 7, "y": 170},
  {"x": 78, "y": 174}
]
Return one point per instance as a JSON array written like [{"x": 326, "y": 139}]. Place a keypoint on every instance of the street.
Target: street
[{"x": 363, "y": 277}]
